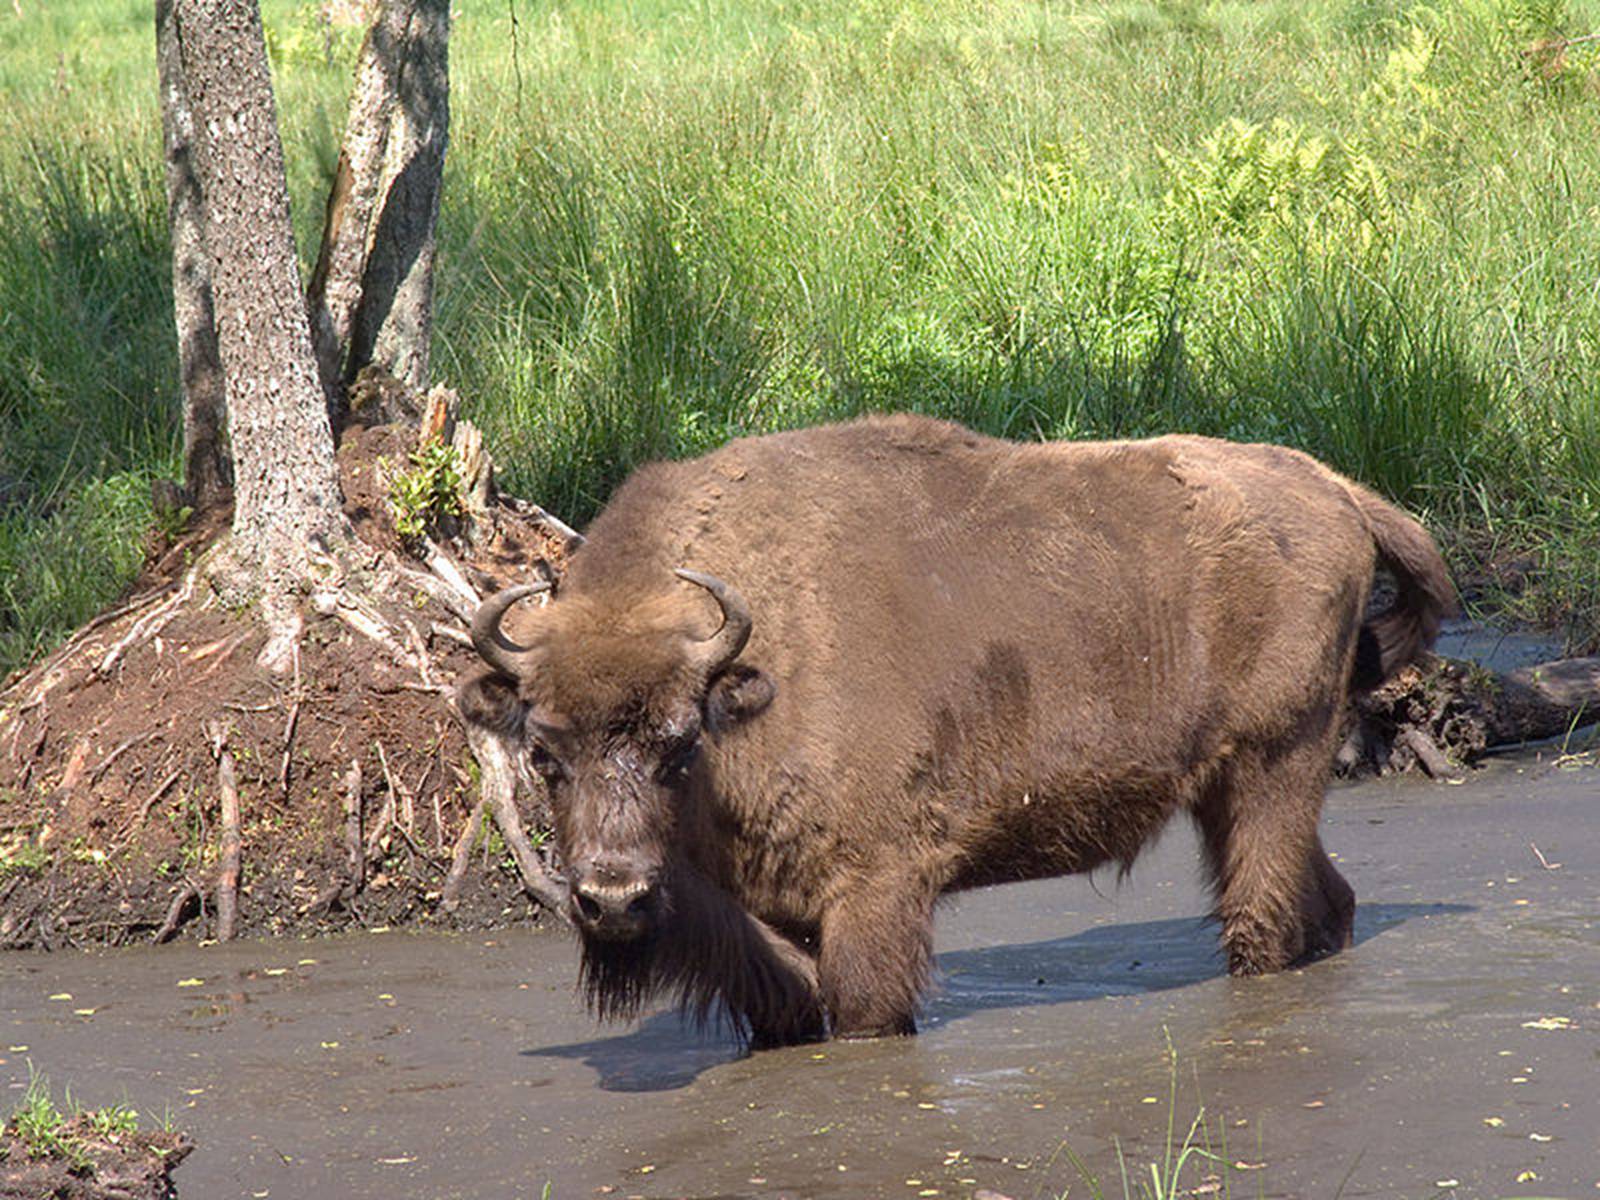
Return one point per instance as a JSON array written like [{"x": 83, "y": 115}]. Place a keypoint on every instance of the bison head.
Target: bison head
[{"x": 611, "y": 700}]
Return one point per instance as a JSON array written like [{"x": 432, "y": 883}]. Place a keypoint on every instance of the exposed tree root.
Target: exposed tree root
[
  {"x": 355, "y": 855},
  {"x": 149, "y": 747},
  {"x": 499, "y": 791},
  {"x": 148, "y": 626},
  {"x": 232, "y": 844},
  {"x": 178, "y": 911},
  {"x": 132, "y": 827},
  {"x": 461, "y": 858}
]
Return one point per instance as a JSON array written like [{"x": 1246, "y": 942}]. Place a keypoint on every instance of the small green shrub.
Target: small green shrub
[
  {"x": 428, "y": 492},
  {"x": 21, "y": 854},
  {"x": 1275, "y": 186}
]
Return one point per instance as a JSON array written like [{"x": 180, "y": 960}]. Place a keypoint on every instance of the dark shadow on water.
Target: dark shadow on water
[
  {"x": 661, "y": 1053},
  {"x": 1111, "y": 960},
  {"x": 665, "y": 1051}
]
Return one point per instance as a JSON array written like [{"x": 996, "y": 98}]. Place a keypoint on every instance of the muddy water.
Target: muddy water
[{"x": 1459, "y": 1041}]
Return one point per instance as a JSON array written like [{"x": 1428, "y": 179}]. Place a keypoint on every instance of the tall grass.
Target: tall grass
[{"x": 1361, "y": 227}]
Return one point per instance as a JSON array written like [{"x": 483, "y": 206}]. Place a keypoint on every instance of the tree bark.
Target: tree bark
[
  {"x": 286, "y": 487},
  {"x": 371, "y": 295},
  {"x": 205, "y": 464}
]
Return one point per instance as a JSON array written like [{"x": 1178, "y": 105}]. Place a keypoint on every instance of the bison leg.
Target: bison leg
[
  {"x": 877, "y": 952},
  {"x": 767, "y": 983},
  {"x": 1279, "y": 899},
  {"x": 1327, "y": 909}
]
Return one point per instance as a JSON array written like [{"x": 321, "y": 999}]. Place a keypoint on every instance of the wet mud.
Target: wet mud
[{"x": 1454, "y": 1050}]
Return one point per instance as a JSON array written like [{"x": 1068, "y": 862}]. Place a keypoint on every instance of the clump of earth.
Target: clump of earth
[{"x": 90, "y": 1161}]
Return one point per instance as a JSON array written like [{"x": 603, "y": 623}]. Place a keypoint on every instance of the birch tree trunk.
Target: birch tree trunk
[
  {"x": 205, "y": 466},
  {"x": 287, "y": 500},
  {"x": 371, "y": 295}
]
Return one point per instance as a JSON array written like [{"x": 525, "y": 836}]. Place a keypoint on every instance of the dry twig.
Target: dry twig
[
  {"x": 122, "y": 747},
  {"x": 1543, "y": 861},
  {"x": 408, "y": 811},
  {"x": 378, "y": 835}
]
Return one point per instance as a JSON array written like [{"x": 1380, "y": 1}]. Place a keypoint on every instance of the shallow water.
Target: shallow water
[
  {"x": 1497, "y": 649},
  {"x": 1458, "y": 1041}
]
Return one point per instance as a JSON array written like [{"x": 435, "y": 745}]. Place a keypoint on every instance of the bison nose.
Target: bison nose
[{"x": 613, "y": 900}]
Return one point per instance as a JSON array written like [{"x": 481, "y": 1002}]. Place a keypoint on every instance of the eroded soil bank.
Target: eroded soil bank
[{"x": 1458, "y": 1041}]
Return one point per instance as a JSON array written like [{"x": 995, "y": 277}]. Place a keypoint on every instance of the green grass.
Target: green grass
[
  {"x": 1188, "y": 1162},
  {"x": 1361, "y": 227},
  {"x": 42, "y": 1127}
]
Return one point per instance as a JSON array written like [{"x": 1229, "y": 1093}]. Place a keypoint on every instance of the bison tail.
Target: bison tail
[{"x": 1424, "y": 595}]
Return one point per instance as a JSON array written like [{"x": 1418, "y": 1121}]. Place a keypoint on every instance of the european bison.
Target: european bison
[{"x": 941, "y": 660}]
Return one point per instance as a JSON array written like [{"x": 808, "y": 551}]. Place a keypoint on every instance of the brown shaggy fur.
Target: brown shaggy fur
[{"x": 972, "y": 661}]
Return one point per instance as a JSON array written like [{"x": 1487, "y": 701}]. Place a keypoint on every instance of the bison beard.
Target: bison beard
[
  {"x": 709, "y": 954},
  {"x": 943, "y": 661}
]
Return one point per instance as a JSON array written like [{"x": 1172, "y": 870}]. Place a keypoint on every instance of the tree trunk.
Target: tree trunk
[
  {"x": 154, "y": 690},
  {"x": 205, "y": 465},
  {"x": 371, "y": 295},
  {"x": 286, "y": 488}
]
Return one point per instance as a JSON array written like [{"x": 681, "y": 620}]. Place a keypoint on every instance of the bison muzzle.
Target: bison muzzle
[{"x": 911, "y": 659}]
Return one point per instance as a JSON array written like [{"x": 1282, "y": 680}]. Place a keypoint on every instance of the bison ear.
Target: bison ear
[
  {"x": 739, "y": 693},
  {"x": 490, "y": 699}
]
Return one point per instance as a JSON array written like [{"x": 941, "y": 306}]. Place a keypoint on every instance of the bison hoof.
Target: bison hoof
[
  {"x": 776, "y": 1041},
  {"x": 896, "y": 1027}
]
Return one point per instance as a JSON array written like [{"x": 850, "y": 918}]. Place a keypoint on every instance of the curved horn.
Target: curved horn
[
  {"x": 499, "y": 651},
  {"x": 723, "y": 646}
]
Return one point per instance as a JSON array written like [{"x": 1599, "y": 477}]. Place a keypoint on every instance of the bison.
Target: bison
[{"x": 909, "y": 659}]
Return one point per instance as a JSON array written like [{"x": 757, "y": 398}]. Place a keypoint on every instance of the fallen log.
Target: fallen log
[{"x": 1443, "y": 714}]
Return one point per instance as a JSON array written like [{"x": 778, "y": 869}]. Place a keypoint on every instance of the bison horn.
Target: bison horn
[
  {"x": 499, "y": 651},
  {"x": 723, "y": 646}
]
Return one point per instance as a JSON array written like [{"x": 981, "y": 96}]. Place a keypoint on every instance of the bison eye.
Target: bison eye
[
  {"x": 547, "y": 764},
  {"x": 675, "y": 762}
]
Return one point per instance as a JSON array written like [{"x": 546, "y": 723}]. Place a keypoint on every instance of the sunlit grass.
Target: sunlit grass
[
  {"x": 1364, "y": 228},
  {"x": 43, "y": 1129},
  {"x": 1190, "y": 1159}
]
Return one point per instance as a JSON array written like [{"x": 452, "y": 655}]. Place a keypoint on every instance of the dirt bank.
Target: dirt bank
[{"x": 355, "y": 792}]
